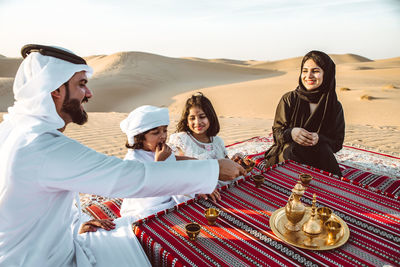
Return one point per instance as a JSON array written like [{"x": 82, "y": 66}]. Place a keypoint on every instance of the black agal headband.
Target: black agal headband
[{"x": 52, "y": 52}]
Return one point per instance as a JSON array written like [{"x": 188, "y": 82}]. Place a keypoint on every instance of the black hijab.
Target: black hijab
[{"x": 325, "y": 96}]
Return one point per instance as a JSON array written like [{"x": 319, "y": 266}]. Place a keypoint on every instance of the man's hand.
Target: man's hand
[
  {"x": 215, "y": 195},
  {"x": 92, "y": 225},
  {"x": 304, "y": 137},
  {"x": 162, "y": 152},
  {"x": 229, "y": 170}
]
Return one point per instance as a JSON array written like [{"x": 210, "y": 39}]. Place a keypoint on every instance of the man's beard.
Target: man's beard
[{"x": 73, "y": 108}]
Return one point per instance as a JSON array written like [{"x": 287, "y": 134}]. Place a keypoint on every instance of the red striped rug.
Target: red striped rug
[{"x": 243, "y": 237}]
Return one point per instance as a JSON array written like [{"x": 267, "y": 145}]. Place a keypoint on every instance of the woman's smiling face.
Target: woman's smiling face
[{"x": 311, "y": 75}]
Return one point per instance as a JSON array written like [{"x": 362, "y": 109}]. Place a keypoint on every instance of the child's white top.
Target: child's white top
[
  {"x": 196, "y": 149},
  {"x": 191, "y": 147},
  {"x": 142, "y": 207},
  {"x": 144, "y": 156}
]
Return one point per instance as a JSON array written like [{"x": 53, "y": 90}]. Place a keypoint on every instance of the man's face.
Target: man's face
[{"x": 76, "y": 93}]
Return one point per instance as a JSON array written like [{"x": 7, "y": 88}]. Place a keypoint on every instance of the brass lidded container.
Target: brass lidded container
[{"x": 294, "y": 209}]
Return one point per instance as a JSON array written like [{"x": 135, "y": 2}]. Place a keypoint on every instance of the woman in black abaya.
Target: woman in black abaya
[{"x": 309, "y": 121}]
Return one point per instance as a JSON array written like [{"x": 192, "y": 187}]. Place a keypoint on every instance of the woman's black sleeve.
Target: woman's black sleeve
[
  {"x": 280, "y": 128},
  {"x": 336, "y": 139}
]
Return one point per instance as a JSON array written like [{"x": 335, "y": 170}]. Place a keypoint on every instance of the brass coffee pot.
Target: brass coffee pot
[
  {"x": 312, "y": 227},
  {"x": 294, "y": 209}
]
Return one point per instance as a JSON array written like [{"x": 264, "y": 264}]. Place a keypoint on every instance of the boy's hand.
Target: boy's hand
[
  {"x": 163, "y": 151},
  {"x": 92, "y": 225},
  {"x": 215, "y": 195}
]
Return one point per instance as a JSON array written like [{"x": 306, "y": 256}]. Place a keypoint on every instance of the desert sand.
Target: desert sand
[{"x": 244, "y": 94}]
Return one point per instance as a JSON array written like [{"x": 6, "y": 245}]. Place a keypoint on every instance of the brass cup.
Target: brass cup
[
  {"x": 211, "y": 215},
  {"x": 324, "y": 213},
  {"x": 249, "y": 165},
  {"x": 237, "y": 157},
  {"x": 333, "y": 229},
  {"x": 246, "y": 163},
  {"x": 259, "y": 180},
  {"x": 305, "y": 178},
  {"x": 192, "y": 230}
]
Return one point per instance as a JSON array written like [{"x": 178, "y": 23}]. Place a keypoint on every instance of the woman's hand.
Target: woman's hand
[
  {"x": 304, "y": 137},
  {"x": 92, "y": 225},
  {"x": 163, "y": 151},
  {"x": 215, "y": 195},
  {"x": 315, "y": 138}
]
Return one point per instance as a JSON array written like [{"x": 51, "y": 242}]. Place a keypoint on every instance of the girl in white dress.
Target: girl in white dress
[
  {"x": 197, "y": 131},
  {"x": 146, "y": 130}
]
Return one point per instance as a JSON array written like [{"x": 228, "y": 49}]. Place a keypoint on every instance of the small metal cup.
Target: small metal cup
[
  {"x": 249, "y": 165},
  {"x": 305, "y": 178},
  {"x": 211, "y": 215},
  {"x": 258, "y": 180},
  {"x": 324, "y": 213},
  {"x": 192, "y": 230},
  {"x": 333, "y": 229},
  {"x": 243, "y": 161}
]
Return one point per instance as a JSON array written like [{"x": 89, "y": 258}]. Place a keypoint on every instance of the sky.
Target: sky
[{"x": 234, "y": 29}]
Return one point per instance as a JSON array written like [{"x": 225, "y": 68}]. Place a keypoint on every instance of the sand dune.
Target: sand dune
[
  {"x": 123, "y": 81},
  {"x": 6, "y": 95},
  {"x": 226, "y": 61},
  {"x": 160, "y": 66},
  {"x": 8, "y": 69},
  {"x": 9, "y": 66},
  {"x": 290, "y": 63},
  {"x": 348, "y": 58},
  {"x": 294, "y": 63},
  {"x": 392, "y": 63}
]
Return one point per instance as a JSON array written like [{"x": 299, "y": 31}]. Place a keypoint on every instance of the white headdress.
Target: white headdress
[
  {"x": 34, "y": 111},
  {"x": 143, "y": 119}
]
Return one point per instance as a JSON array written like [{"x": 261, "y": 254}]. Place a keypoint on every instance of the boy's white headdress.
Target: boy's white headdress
[{"x": 143, "y": 119}]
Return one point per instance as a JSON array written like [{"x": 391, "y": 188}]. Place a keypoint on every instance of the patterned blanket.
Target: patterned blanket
[
  {"x": 378, "y": 163},
  {"x": 377, "y": 171},
  {"x": 243, "y": 237}
]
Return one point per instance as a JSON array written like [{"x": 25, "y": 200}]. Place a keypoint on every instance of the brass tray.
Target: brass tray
[{"x": 278, "y": 221}]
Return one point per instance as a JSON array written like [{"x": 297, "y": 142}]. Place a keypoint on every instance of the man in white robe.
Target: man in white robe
[{"x": 42, "y": 170}]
